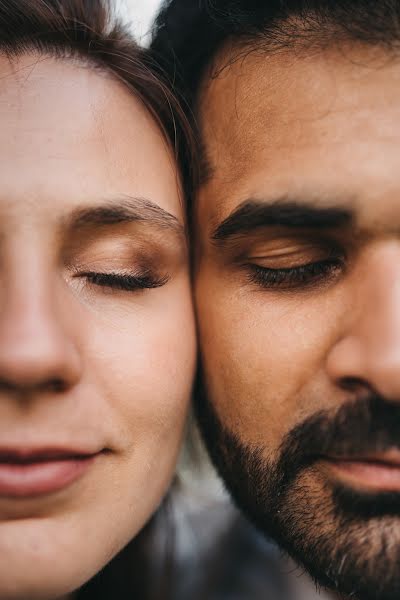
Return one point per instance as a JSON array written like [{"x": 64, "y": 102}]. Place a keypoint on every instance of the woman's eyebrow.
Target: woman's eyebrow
[{"x": 125, "y": 209}]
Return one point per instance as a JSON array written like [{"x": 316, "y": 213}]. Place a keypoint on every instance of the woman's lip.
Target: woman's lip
[
  {"x": 22, "y": 454},
  {"x": 27, "y": 455},
  {"x": 374, "y": 473},
  {"x": 33, "y": 474}
]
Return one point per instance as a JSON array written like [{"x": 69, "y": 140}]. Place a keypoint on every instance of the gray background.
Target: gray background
[{"x": 139, "y": 13}]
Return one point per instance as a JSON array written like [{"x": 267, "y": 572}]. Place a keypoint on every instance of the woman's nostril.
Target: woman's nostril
[
  {"x": 56, "y": 385},
  {"x": 7, "y": 386}
]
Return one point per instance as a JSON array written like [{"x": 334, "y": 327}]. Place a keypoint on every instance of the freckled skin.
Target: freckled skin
[
  {"x": 73, "y": 137},
  {"x": 324, "y": 126}
]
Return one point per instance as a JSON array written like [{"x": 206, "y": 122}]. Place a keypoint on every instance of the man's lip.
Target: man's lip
[
  {"x": 376, "y": 473},
  {"x": 387, "y": 458}
]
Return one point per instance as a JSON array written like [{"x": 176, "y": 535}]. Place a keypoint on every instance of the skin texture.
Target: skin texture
[
  {"x": 320, "y": 129},
  {"x": 74, "y": 139}
]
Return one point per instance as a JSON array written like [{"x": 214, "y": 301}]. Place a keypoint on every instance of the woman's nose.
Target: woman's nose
[{"x": 38, "y": 348}]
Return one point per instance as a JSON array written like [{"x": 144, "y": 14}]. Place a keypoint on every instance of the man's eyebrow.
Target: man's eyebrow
[
  {"x": 126, "y": 209},
  {"x": 296, "y": 214}
]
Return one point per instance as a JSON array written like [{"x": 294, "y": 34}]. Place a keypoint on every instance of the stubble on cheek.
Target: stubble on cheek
[{"x": 262, "y": 359}]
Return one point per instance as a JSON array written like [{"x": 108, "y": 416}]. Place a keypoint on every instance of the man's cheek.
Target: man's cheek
[{"x": 260, "y": 356}]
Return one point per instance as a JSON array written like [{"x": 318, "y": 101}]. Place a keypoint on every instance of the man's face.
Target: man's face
[{"x": 298, "y": 295}]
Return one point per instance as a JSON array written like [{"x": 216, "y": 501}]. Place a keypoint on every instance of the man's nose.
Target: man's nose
[
  {"x": 37, "y": 346},
  {"x": 367, "y": 351}
]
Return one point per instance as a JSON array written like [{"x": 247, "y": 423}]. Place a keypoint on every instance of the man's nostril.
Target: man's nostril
[{"x": 353, "y": 384}]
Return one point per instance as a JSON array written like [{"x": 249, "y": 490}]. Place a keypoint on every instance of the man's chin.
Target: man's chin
[
  {"x": 347, "y": 538},
  {"x": 343, "y": 527},
  {"x": 345, "y": 535}
]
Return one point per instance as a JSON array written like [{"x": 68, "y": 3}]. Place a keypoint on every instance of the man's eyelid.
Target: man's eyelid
[
  {"x": 276, "y": 254},
  {"x": 281, "y": 247}
]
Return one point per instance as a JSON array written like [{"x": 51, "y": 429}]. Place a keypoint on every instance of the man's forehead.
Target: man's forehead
[
  {"x": 261, "y": 114},
  {"x": 234, "y": 85}
]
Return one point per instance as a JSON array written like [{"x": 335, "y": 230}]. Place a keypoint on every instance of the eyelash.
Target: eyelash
[
  {"x": 295, "y": 277},
  {"x": 125, "y": 282}
]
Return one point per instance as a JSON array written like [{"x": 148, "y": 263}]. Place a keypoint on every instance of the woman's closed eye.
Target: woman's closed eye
[{"x": 125, "y": 281}]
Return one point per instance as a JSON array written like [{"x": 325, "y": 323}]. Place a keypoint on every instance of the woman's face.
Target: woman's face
[{"x": 97, "y": 343}]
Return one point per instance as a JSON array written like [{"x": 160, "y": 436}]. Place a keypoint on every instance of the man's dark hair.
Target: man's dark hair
[{"x": 188, "y": 34}]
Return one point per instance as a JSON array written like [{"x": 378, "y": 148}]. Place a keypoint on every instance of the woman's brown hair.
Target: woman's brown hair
[{"x": 90, "y": 31}]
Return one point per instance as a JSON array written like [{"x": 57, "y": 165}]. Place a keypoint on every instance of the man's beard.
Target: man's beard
[{"x": 348, "y": 541}]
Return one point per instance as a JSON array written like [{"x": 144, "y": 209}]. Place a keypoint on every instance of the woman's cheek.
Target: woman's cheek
[{"x": 148, "y": 360}]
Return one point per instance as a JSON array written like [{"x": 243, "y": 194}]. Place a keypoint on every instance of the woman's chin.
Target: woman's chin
[{"x": 46, "y": 559}]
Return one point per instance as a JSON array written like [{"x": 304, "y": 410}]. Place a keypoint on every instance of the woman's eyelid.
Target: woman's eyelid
[
  {"x": 115, "y": 264},
  {"x": 110, "y": 272},
  {"x": 124, "y": 282},
  {"x": 120, "y": 253},
  {"x": 91, "y": 270}
]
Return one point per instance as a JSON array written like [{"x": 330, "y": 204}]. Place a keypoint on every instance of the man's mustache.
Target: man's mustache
[{"x": 365, "y": 426}]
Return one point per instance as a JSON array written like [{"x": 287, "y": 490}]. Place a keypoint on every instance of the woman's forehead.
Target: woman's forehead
[{"x": 74, "y": 131}]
